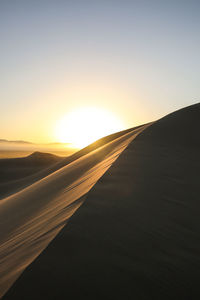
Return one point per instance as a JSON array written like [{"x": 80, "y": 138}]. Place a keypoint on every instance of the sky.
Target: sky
[{"x": 136, "y": 59}]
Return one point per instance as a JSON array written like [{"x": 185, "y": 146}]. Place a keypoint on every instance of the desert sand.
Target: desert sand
[{"x": 130, "y": 203}]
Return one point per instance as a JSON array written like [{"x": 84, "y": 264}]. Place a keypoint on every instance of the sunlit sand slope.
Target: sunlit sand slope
[
  {"x": 18, "y": 173},
  {"x": 137, "y": 235},
  {"x": 32, "y": 217}
]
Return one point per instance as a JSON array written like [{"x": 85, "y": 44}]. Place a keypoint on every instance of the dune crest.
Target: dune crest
[{"x": 32, "y": 217}]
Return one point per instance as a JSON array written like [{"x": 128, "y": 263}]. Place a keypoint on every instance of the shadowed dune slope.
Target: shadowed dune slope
[
  {"x": 180, "y": 128},
  {"x": 137, "y": 235}
]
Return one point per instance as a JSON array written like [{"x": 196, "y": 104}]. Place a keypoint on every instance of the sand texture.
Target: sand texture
[{"x": 136, "y": 234}]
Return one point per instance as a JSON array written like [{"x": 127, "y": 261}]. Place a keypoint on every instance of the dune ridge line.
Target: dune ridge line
[{"x": 32, "y": 217}]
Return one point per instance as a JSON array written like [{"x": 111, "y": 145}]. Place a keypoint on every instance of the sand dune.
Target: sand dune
[
  {"x": 135, "y": 237},
  {"x": 32, "y": 217},
  {"x": 18, "y": 173},
  {"x": 16, "y": 168}
]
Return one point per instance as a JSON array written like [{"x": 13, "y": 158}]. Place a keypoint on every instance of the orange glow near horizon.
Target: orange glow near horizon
[{"x": 85, "y": 125}]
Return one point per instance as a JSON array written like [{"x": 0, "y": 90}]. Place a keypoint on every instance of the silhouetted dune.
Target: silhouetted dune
[
  {"x": 13, "y": 170},
  {"x": 43, "y": 157},
  {"x": 36, "y": 159},
  {"x": 136, "y": 236}
]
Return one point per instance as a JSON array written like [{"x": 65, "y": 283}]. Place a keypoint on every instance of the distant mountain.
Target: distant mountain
[
  {"x": 19, "y": 142},
  {"x": 30, "y": 143}
]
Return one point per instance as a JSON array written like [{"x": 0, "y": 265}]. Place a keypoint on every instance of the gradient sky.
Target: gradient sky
[{"x": 138, "y": 59}]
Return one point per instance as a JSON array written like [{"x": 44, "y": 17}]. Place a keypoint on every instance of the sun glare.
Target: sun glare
[{"x": 85, "y": 125}]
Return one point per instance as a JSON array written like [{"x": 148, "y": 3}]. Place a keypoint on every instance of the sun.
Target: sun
[{"x": 85, "y": 125}]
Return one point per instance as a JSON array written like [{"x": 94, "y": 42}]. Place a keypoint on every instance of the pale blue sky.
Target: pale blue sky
[{"x": 139, "y": 59}]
